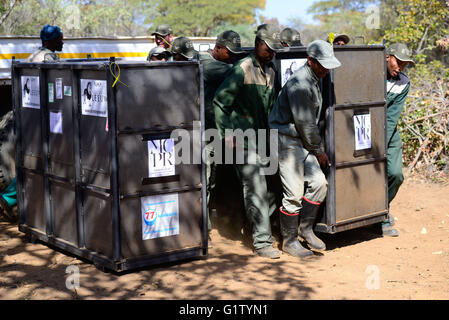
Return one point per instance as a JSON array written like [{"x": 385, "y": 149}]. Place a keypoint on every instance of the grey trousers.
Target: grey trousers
[
  {"x": 297, "y": 168},
  {"x": 259, "y": 195}
]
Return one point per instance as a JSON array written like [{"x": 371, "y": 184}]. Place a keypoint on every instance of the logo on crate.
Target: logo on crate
[{"x": 149, "y": 217}]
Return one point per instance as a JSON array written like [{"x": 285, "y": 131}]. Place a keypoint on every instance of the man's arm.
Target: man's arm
[
  {"x": 225, "y": 97},
  {"x": 394, "y": 110},
  {"x": 303, "y": 112}
]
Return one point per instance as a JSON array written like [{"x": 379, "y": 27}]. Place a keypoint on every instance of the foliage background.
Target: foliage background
[{"x": 423, "y": 25}]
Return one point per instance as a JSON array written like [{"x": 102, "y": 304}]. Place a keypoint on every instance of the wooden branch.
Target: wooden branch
[{"x": 426, "y": 117}]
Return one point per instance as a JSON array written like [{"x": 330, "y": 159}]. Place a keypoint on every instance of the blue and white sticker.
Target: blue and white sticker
[{"x": 160, "y": 216}]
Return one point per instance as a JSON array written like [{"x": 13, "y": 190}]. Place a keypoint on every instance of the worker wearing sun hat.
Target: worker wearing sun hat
[{"x": 52, "y": 40}]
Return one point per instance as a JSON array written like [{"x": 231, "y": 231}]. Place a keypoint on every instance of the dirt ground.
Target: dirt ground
[{"x": 358, "y": 264}]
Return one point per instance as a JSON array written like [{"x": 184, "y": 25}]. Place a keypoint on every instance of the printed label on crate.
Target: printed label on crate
[
  {"x": 362, "y": 131},
  {"x": 55, "y": 122},
  {"x": 160, "y": 216},
  {"x": 51, "y": 92},
  {"x": 30, "y": 92},
  {"x": 289, "y": 66},
  {"x": 161, "y": 158},
  {"x": 94, "y": 98},
  {"x": 58, "y": 87},
  {"x": 68, "y": 91}
]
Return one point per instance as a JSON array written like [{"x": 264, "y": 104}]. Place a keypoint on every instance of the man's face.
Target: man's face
[
  {"x": 223, "y": 54},
  {"x": 317, "y": 68},
  {"x": 394, "y": 65},
  {"x": 160, "y": 57},
  {"x": 339, "y": 42},
  {"x": 179, "y": 57},
  {"x": 263, "y": 52},
  {"x": 55, "y": 44},
  {"x": 164, "y": 42}
]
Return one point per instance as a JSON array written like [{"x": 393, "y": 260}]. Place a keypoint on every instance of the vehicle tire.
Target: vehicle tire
[{"x": 7, "y": 158}]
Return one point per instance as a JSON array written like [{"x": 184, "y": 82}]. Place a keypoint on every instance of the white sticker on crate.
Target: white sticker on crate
[
  {"x": 160, "y": 216},
  {"x": 94, "y": 98},
  {"x": 55, "y": 122},
  {"x": 58, "y": 87},
  {"x": 362, "y": 131},
  {"x": 30, "y": 92},
  {"x": 161, "y": 158},
  {"x": 51, "y": 92}
]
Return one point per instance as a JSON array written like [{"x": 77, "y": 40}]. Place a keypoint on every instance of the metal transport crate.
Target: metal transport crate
[
  {"x": 353, "y": 122},
  {"x": 96, "y": 174}
]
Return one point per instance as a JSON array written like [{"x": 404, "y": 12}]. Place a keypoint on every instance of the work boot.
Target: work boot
[
  {"x": 289, "y": 231},
  {"x": 306, "y": 223},
  {"x": 268, "y": 252},
  {"x": 387, "y": 227}
]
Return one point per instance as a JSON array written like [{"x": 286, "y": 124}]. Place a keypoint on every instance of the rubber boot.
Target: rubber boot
[
  {"x": 307, "y": 221},
  {"x": 289, "y": 231}
]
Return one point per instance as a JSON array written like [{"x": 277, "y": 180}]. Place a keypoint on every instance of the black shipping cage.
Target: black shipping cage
[
  {"x": 96, "y": 159},
  {"x": 353, "y": 126}
]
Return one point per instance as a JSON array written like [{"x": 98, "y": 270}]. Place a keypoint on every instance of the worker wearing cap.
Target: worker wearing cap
[
  {"x": 182, "y": 49},
  {"x": 158, "y": 54},
  {"x": 301, "y": 156},
  {"x": 290, "y": 38},
  {"x": 217, "y": 64},
  {"x": 163, "y": 36},
  {"x": 398, "y": 84},
  {"x": 339, "y": 39},
  {"x": 243, "y": 101},
  {"x": 52, "y": 40}
]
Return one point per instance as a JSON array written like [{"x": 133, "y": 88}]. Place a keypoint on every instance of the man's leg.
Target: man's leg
[
  {"x": 394, "y": 166},
  {"x": 8, "y": 199},
  {"x": 257, "y": 207},
  {"x": 395, "y": 179},
  {"x": 291, "y": 171},
  {"x": 315, "y": 194},
  {"x": 210, "y": 180}
]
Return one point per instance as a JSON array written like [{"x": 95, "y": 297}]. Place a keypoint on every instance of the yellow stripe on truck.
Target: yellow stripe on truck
[{"x": 8, "y": 56}]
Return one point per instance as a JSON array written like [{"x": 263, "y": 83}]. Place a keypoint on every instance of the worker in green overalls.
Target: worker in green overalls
[{"x": 398, "y": 56}]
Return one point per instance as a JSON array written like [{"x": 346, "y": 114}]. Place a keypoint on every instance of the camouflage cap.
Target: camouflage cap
[
  {"x": 337, "y": 37},
  {"x": 324, "y": 53},
  {"x": 271, "y": 35},
  {"x": 184, "y": 47},
  {"x": 156, "y": 51},
  {"x": 231, "y": 40},
  {"x": 400, "y": 51},
  {"x": 291, "y": 37},
  {"x": 163, "y": 30}
]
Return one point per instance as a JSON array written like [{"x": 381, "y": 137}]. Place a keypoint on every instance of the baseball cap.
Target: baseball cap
[
  {"x": 183, "y": 46},
  {"x": 271, "y": 35},
  {"x": 156, "y": 51},
  {"x": 400, "y": 51},
  {"x": 324, "y": 53},
  {"x": 291, "y": 37},
  {"x": 231, "y": 40},
  {"x": 163, "y": 30},
  {"x": 337, "y": 36},
  {"x": 49, "y": 32}
]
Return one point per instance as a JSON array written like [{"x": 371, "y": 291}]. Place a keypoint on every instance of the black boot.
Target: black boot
[
  {"x": 306, "y": 223},
  {"x": 289, "y": 231}
]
